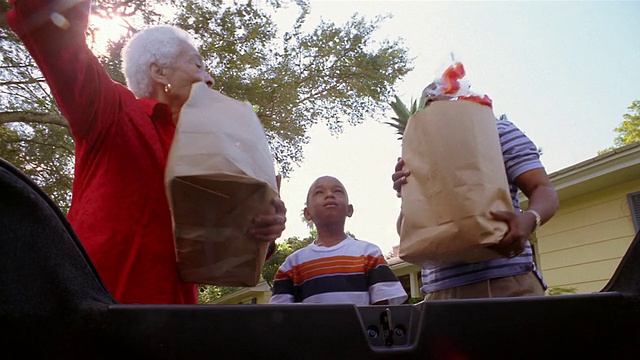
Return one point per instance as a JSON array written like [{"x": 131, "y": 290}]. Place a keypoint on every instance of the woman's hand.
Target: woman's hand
[{"x": 270, "y": 227}]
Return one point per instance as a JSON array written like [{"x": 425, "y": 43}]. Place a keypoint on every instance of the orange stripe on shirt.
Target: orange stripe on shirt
[{"x": 331, "y": 265}]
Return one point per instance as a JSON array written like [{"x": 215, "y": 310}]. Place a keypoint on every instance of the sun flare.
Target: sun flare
[{"x": 105, "y": 31}]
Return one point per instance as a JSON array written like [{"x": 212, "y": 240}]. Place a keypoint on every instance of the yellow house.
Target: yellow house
[
  {"x": 258, "y": 294},
  {"x": 579, "y": 248}
]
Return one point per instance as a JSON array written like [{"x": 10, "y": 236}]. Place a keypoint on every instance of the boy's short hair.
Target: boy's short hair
[{"x": 320, "y": 177}]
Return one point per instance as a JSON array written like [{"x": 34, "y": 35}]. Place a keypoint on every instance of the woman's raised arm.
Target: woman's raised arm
[{"x": 54, "y": 34}]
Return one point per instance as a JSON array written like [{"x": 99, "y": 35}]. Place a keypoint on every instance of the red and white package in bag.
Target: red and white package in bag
[{"x": 453, "y": 85}]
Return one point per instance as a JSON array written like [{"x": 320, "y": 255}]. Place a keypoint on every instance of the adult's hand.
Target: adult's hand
[
  {"x": 543, "y": 198},
  {"x": 270, "y": 227},
  {"x": 399, "y": 177},
  {"x": 520, "y": 225}
]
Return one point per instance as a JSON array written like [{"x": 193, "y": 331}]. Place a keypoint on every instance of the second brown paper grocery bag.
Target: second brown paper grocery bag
[{"x": 457, "y": 177}]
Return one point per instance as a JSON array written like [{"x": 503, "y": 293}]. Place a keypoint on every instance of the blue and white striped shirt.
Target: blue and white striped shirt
[{"x": 520, "y": 155}]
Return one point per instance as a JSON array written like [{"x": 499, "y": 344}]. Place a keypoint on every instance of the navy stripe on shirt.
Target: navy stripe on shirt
[
  {"x": 330, "y": 283},
  {"x": 381, "y": 273}
]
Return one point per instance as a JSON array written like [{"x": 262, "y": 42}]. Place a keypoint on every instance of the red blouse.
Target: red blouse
[{"x": 119, "y": 207}]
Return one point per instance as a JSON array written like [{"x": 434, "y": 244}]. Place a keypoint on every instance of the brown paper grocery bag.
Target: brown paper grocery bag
[
  {"x": 457, "y": 177},
  {"x": 219, "y": 176}
]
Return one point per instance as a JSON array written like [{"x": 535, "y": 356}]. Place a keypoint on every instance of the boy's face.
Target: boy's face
[{"x": 327, "y": 201}]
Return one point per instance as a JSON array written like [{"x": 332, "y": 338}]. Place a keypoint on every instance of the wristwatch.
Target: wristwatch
[{"x": 538, "y": 219}]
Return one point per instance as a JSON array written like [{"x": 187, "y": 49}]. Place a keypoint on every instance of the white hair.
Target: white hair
[{"x": 156, "y": 44}]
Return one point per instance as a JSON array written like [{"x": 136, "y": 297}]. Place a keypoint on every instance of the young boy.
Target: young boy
[{"x": 335, "y": 268}]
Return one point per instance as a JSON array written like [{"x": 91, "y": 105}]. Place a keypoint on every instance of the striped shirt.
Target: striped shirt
[
  {"x": 520, "y": 155},
  {"x": 353, "y": 271}
]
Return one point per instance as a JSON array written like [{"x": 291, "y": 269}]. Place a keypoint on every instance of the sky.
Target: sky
[{"x": 563, "y": 72}]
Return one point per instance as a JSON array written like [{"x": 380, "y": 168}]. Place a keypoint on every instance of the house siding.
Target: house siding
[{"x": 582, "y": 245}]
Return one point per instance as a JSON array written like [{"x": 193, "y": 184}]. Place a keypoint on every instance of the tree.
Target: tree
[
  {"x": 561, "y": 290},
  {"x": 26, "y": 146},
  {"x": 333, "y": 74},
  {"x": 208, "y": 293},
  {"x": 35, "y": 136},
  {"x": 629, "y": 129}
]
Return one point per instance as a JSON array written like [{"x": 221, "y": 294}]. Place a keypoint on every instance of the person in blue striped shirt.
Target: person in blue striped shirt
[{"x": 515, "y": 274}]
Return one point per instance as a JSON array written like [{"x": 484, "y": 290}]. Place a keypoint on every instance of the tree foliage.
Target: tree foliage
[
  {"x": 34, "y": 135},
  {"x": 629, "y": 130},
  {"x": 208, "y": 293},
  {"x": 332, "y": 75},
  {"x": 335, "y": 74},
  {"x": 561, "y": 291}
]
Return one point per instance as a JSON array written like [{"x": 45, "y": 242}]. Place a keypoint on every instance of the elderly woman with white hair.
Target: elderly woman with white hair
[{"x": 119, "y": 208}]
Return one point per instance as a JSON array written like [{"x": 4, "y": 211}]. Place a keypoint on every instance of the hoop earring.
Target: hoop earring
[{"x": 167, "y": 88}]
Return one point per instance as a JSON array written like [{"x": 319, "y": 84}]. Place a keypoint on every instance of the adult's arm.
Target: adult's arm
[
  {"x": 54, "y": 34},
  {"x": 542, "y": 198}
]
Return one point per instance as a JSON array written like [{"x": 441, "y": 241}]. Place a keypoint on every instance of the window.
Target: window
[{"x": 634, "y": 206}]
